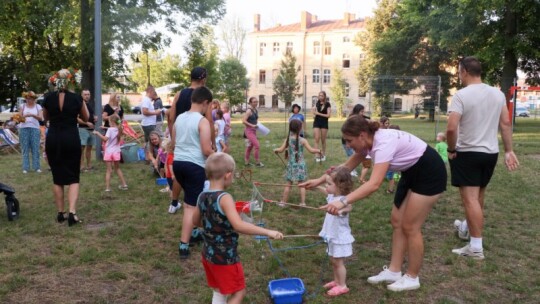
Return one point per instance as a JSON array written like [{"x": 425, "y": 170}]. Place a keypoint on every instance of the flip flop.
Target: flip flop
[
  {"x": 330, "y": 285},
  {"x": 337, "y": 291}
]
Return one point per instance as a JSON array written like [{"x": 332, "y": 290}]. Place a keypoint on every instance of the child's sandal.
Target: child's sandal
[
  {"x": 330, "y": 285},
  {"x": 337, "y": 291}
]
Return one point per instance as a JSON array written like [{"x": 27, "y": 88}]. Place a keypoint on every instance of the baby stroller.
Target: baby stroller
[{"x": 12, "y": 203}]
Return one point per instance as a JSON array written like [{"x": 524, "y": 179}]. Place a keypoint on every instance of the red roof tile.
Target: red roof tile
[{"x": 317, "y": 26}]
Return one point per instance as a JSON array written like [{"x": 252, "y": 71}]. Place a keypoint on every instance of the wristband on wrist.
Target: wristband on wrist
[
  {"x": 343, "y": 200},
  {"x": 451, "y": 151}
]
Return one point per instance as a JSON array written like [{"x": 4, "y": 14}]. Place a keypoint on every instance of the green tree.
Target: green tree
[
  {"x": 41, "y": 36},
  {"x": 202, "y": 50},
  {"x": 338, "y": 88},
  {"x": 286, "y": 85},
  {"x": 411, "y": 37},
  {"x": 233, "y": 80},
  {"x": 164, "y": 69},
  {"x": 46, "y": 35}
]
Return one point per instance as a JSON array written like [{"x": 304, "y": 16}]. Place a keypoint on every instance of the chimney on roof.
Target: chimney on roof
[
  {"x": 347, "y": 19},
  {"x": 257, "y": 22},
  {"x": 305, "y": 22}
]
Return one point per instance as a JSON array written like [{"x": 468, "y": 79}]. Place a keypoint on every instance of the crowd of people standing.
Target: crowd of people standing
[{"x": 199, "y": 130}]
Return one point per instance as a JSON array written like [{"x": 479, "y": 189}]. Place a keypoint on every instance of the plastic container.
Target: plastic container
[
  {"x": 262, "y": 129},
  {"x": 129, "y": 152},
  {"x": 242, "y": 207},
  {"x": 286, "y": 291},
  {"x": 161, "y": 181}
]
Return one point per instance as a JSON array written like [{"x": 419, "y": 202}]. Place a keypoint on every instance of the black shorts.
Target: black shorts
[
  {"x": 191, "y": 177},
  {"x": 321, "y": 124},
  {"x": 427, "y": 177},
  {"x": 473, "y": 169}
]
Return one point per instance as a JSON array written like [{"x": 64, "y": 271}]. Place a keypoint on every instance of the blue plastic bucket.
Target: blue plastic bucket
[{"x": 129, "y": 152}]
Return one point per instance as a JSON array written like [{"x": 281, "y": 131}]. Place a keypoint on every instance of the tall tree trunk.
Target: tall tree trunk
[
  {"x": 510, "y": 57},
  {"x": 87, "y": 46}
]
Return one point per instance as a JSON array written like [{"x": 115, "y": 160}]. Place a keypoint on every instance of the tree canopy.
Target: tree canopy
[
  {"x": 409, "y": 38},
  {"x": 286, "y": 85}
]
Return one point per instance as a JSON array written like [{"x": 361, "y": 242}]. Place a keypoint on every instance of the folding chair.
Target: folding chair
[
  {"x": 129, "y": 132},
  {"x": 7, "y": 138}
]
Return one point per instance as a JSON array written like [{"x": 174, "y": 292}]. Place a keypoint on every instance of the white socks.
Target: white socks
[
  {"x": 219, "y": 298},
  {"x": 464, "y": 226},
  {"x": 476, "y": 244}
]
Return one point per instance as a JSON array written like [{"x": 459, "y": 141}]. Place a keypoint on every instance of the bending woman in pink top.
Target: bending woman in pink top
[{"x": 422, "y": 182}]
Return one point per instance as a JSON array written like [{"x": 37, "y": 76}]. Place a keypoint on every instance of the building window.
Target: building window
[
  {"x": 316, "y": 76},
  {"x": 328, "y": 48},
  {"x": 362, "y": 56},
  {"x": 275, "y": 101},
  {"x": 289, "y": 47},
  {"x": 316, "y": 48},
  {"x": 398, "y": 104},
  {"x": 276, "y": 49},
  {"x": 261, "y": 100},
  {"x": 262, "y": 76},
  {"x": 346, "y": 61},
  {"x": 326, "y": 76},
  {"x": 346, "y": 39},
  {"x": 347, "y": 89},
  {"x": 262, "y": 46}
]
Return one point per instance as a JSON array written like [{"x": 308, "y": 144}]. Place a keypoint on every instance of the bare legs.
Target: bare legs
[
  {"x": 86, "y": 154},
  {"x": 73, "y": 195},
  {"x": 187, "y": 223},
  {"x": 340, "y": 272},
  {"x": 407, "y": 236},
  {"x": 473, "y": 202},
  {"x": 287, "y": 190},
  {"x": 324, "y": 133}
]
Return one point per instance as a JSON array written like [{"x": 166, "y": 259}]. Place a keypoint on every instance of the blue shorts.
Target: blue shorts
[
  {"x": 389, "y": 175},
  {"x": 191, "y": 177},
  {"x": 86, "y": 136}
]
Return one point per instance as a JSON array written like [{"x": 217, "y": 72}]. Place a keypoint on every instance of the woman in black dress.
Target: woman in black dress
[
  {"x": 63, "y": 145},
  {"x": 321, "y": 113}
]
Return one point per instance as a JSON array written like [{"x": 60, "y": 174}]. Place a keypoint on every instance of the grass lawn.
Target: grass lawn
[{"x": 126, "y": 251}]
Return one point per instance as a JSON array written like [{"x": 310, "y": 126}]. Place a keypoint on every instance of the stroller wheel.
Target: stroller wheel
[{"x": 12, "y": 205}]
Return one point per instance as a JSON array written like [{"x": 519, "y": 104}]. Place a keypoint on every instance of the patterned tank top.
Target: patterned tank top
[{"x": 220, "y": 239}]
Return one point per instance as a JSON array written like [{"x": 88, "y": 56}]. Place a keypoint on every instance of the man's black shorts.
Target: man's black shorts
[{"x": 472, "y": 169}]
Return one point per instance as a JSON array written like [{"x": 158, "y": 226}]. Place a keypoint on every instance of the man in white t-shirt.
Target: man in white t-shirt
[
  {"x": 148, "y": 121},
  {"x": 476, "y": 113}
]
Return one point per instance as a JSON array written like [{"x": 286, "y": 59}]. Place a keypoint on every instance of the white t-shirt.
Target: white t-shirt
[
  {"x": 188, "y": 141},
  {"x": 335, "y": 227},
  {"x": 30, "y": 122},
  {"x": 398, "y": 147},
  {"x": 480, "y": 107},
  {"x": 148, "y": 120},
  {"x": 112, "y": 145}
]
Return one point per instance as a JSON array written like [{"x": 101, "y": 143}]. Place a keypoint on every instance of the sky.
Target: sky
[{"x": 287, "y": 12}]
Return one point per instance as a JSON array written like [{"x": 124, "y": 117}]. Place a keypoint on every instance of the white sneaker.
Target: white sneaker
[
  {"x": 318, "y": 159},
  {"x": 354, "y": 174},
  {"x": 469, "y": 253},
  {"x": 385, "y": 276},
  {"x": 405, "y": 283},
  {"x": 38, "y": 171},
  {"x": 323, "y": 158},
  {"x": 173, "y": 209},
  {"x": 24, "y": 171},
  {"x": 462, "y": 233}
]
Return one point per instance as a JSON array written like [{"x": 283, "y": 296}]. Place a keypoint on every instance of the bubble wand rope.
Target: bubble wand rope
[
  {"x": 281, "y": 159},
  {"x": 294, "y": 205}
]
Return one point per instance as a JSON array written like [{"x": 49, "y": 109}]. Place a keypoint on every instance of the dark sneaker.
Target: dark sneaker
[
  {"x": 183, "y": 251},
  {"x": 259, "y": 164}
]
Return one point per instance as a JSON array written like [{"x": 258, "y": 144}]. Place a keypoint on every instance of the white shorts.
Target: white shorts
[{"x": 339, "y": 250}]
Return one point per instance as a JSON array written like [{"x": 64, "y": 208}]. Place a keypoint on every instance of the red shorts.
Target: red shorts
[{"x": 228, "y": 279}]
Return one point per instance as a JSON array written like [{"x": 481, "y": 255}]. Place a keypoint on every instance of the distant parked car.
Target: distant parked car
[
  {"x": 522, "y": 112},
  {"x": 136, "y": 110},
  {"x": 241, "y": 108}
]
